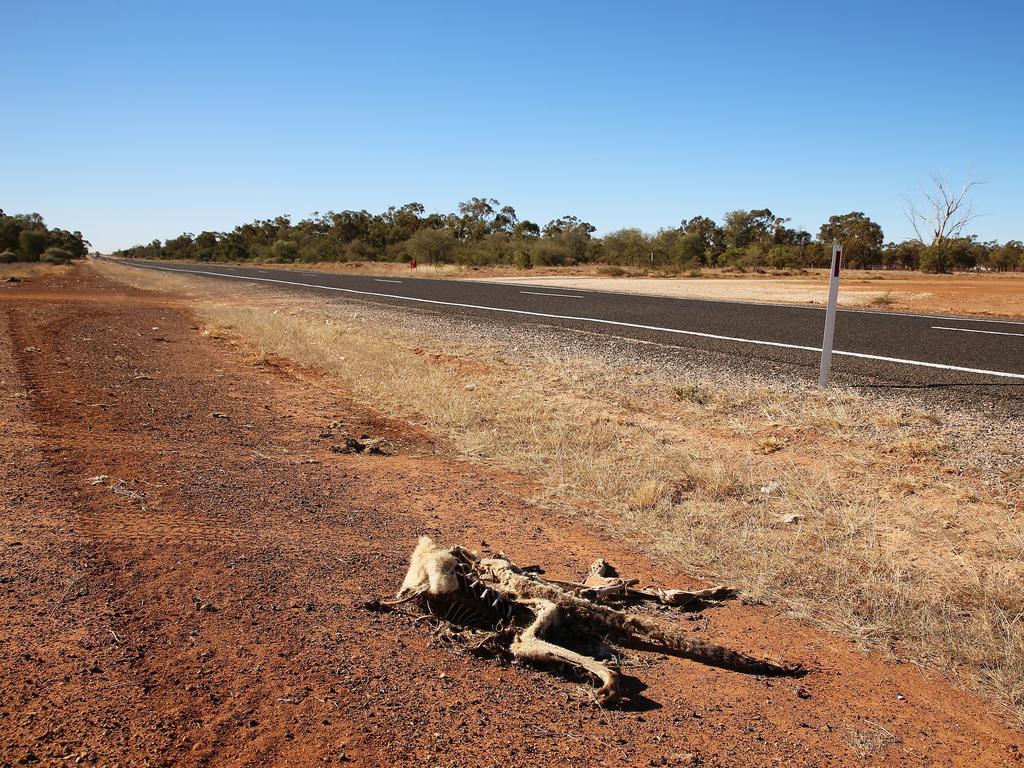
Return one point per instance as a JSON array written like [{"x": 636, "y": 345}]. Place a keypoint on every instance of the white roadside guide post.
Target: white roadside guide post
[{"x": 830, "y": 316}]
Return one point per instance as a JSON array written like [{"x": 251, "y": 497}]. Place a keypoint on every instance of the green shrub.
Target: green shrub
[
  {"x": 9, "y": 257},
  {"x": 284, "y": 251},
  {"x": 934, "y": 258},
  {"x": 56, "y": 256},
  {"x": 32, "y": 243},
  {"x": 431, "y": 246},
  {"x": 522, "y": 260}
]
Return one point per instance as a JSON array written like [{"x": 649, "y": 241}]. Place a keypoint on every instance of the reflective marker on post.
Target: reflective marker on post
[{"x": 830, "y": 316}]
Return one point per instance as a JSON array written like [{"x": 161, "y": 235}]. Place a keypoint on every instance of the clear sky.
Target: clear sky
[{"x": 131, "y": 121}]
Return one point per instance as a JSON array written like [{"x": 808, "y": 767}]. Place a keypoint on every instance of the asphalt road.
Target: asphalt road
[{"x": 872, "y": 348}]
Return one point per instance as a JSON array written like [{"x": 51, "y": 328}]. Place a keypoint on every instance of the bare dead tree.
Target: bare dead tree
[{"x": 944, "y": 210}]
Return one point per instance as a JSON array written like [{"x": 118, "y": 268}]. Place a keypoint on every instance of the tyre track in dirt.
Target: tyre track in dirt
[{"x": 200, "y": 605}]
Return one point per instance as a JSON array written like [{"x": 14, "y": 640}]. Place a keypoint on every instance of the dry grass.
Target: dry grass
[
  {"x": 884, "y": 300},
  {"x": 28, "y": 271},
  {"x": 883, "y": 524}
]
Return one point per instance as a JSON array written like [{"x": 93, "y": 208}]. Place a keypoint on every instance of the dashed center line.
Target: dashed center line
[
  {"x": 560, "y": 295},
  {"x": 975, "y": 330},
  {"x": 382, "y": 280}
]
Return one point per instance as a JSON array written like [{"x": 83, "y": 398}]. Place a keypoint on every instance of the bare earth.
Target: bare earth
[{"x": 184, "y": 560}]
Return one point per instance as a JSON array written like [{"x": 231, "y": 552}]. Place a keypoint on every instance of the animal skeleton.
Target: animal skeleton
[{"x": 455, "y": 585}]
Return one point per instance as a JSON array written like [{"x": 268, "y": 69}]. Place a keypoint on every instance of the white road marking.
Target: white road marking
[
  {"x": 382, "y": 280},
  {"x": 964, "y": 319},
  {"x": 600, "y": 321},
  {"x": 309, "y": 274},
  {"x": 975, "y": 330},
  {"x": 560, "y": 295}
]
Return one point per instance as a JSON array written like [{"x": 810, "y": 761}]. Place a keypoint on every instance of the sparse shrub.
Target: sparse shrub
[
  {"x": 627, "y": 246},
  {"x": 8, "y": 257},
  {"x": 611, "y": 271},
  {"x": 284, "y": 251},
  {"x": 522, "y": 260},
  {"x": 549, "y": 253},
  {"x": 56, "y": 256},
  {"x": 359, "y": 250},
  {"x": 431, "y": 246},
  {"x": 885, "y": 300}
]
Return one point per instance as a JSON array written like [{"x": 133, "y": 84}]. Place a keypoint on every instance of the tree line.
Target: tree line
[
  {"x": 25, "y": 237},
  {"x": 484, "y": 231}
]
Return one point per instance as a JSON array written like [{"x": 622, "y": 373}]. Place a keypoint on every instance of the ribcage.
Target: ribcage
[{"x": 475, "y": 605}]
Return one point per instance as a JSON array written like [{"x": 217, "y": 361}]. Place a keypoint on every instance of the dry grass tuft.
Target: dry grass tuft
[
  {"x": 884, "y": 300},
  {"x": 887, "y": 525}
]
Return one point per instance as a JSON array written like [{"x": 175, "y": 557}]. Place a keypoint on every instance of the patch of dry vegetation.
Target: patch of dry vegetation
[
  {"x": 890, "y": 525},
  {"x": 30, "y": 270}
]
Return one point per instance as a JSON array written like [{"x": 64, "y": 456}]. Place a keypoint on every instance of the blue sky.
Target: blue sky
[{"x": 131, "y": 121}]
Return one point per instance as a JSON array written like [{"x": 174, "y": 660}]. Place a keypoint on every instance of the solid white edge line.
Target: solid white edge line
[
  {"x": 975, "y": 330},
  {"x": 559, "y": 295},
  {"x": 699, "y": 334}
]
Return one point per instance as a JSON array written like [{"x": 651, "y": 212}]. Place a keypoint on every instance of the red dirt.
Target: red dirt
[{"x": 201, "y": 605}]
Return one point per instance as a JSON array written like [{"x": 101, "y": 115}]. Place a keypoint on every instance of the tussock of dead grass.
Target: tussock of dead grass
[{"x": 898, "y": 537}]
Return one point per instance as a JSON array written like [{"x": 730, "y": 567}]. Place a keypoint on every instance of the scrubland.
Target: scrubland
[{"x": 898, "y": 526}]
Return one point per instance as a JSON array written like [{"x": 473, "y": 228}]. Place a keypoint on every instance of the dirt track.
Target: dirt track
[{"x": 201, "y": 604}]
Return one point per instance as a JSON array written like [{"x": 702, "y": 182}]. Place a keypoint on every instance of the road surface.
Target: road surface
[{"x": 871, "y": 347}]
